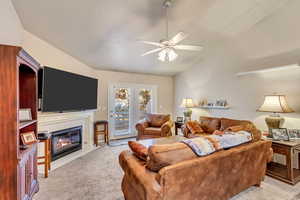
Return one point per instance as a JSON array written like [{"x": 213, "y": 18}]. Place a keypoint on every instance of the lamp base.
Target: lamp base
[
  {"x": 274, "y": 121},
  {"x": 187, "y": 115}
]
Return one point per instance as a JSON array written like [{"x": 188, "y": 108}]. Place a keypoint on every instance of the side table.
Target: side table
[
  {"x": 178, "y": 126},
  {"x": 98, "y": 131},
  {"x": 286, "y": 173}
]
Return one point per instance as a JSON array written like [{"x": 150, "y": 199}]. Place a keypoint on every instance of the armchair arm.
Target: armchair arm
[
  {"x": 141, "y": 125},
  {"x": 166, "y": 128},
  {"x": 138, "y": 181},
  {"x": 270, "y": 155}
]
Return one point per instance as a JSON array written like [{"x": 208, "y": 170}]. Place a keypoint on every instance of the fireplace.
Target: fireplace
[{"x": 66, "y": 141}]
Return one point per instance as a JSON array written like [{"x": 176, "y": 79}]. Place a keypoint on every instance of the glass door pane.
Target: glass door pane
[
  {"x": 120, "y": 111},
  {"x": 144, "y": 102}
]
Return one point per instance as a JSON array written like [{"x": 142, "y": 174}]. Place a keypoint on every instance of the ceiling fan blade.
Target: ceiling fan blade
[
  {"x": 188, "y": 47},
  {"x": 153, "y": 43},
  {"x": 178, "y": 38},
  {"x": 152, "y": 51}
]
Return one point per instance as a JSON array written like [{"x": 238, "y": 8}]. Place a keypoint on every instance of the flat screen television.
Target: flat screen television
[{"x": 61, "y": 91}]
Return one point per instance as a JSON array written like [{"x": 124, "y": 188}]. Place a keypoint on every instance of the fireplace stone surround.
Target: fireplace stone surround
[{"x": 52, "y": 122}]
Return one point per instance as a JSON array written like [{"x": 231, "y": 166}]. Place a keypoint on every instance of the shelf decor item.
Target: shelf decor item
[
  {"x": 187, "y": 103},
  {"x": 28, "y": 138},
  {"x": 25, "y": 114},
  {"x": 275, "y": 104}
]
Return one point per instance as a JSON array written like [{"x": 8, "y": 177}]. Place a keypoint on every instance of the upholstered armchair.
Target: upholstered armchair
[{"x": 154, "y": 126}]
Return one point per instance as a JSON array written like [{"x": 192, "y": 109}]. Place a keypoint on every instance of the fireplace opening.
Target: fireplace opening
[{"x": 66, "y": 141}]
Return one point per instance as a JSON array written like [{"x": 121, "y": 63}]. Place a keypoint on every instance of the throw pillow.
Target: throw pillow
[
  {"x": 139, "y": 150},
  {"x": 217, "y": 132},
  {"x": 194, "y": 127}
]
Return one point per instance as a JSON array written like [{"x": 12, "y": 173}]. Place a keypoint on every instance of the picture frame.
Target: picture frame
[
  {"x": 28, "y": 138},
  {"x": 25, "y": 114},
  {"x": 294, "y": 133},
  {"x": 280, "y": 134},
  {"x": 179, "y": 119},
  {"x": 221, "y": 103}
]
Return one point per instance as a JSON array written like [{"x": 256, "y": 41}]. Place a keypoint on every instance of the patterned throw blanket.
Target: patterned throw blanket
[{"x": 205, "y": 145}]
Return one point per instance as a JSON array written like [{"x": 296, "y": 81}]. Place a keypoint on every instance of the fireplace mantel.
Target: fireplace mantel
[{"x": 58, "y": 121}]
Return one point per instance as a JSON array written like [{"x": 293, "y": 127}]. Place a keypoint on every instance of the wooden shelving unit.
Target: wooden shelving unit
[
  {"x": 18, "y": 82},
  {"x": 27, "y": 123}
]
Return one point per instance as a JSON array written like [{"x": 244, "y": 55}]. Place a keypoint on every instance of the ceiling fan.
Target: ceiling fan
[{"x": 167, "y": 47}]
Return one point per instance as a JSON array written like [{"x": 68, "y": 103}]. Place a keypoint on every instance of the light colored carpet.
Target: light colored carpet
[{"x": 97, "y": 176}]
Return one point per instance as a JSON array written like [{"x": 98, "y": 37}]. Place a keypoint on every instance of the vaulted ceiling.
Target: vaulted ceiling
[{"x": 104, "y": 34}]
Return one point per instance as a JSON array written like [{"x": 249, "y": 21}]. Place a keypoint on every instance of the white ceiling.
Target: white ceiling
[{"x": 104, "y": 33}]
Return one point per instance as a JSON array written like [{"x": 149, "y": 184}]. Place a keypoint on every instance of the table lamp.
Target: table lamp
[
  {"x": 275, "y": 104},
  {"x": 187, "y": 103}
]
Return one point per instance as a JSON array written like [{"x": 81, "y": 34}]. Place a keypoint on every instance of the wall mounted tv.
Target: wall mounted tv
[{"x": 61, "y": 91}]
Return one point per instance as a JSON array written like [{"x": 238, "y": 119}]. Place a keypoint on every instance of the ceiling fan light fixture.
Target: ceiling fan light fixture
[{"x": 167, "y": 54}]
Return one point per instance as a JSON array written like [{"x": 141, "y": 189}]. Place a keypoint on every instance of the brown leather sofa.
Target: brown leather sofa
[
  {"x": 154, "y": 126},
  {"x": 210, "y": 124},
  {"x": 176, "y": 173}
]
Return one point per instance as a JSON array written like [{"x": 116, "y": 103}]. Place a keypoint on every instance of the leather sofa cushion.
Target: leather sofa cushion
[
  {"x": 194, "y": 127},
  {"x": 152, "y": 131},
  {"x": 160, "y": 156},
  {"x": 157, "y": 120},
  {"x": 139, "y": 150},
  {"x": 210, "y": 124},
  {"x": 226, "y": 123}
]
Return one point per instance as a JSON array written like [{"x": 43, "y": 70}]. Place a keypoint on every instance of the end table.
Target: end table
[
  {"x": 178, "y": 126},
  {"x": 286, "y": 173}
]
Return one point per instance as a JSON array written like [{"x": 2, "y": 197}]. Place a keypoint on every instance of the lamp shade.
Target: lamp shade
[
  {"x": 275, "y": 104},
  {"x": 187, "y": 103}
]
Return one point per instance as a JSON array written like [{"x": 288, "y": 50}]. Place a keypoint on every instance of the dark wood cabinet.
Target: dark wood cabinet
[
  {"x": 27, "y": 174},
  {"x": 18, "y": 89}
]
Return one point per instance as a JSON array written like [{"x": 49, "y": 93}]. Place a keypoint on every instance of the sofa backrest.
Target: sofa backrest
[
  {"x": 226, "y": 123},
  {"x": 218, "y": 176},
  {"x": 210, "y": 124},
  {"x": 157, "y": 120}
]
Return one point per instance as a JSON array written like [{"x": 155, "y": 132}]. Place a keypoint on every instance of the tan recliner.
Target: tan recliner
[{"x": 154, "y": 126}]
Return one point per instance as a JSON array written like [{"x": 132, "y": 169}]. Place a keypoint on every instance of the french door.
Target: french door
[{"x": 128, "y": 103}]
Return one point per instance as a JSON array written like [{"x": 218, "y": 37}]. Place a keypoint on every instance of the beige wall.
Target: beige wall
[
  {"x": 272, "y": 42},
  {"x": 48, "y": 55},
  {"x": 13, "y": 34},
  {"x": 11, "y": 27},
  {"x": 215, "y": 78}
]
